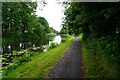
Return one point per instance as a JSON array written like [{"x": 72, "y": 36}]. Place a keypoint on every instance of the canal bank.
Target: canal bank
[
  {"x": 11, "y": 50},
  {"x": 41, "y": 64}
]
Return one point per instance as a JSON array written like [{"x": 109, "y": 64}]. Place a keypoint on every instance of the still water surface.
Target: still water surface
[
  {"x": 8, "y": 49},
  {"x": 56, "y": 40}
]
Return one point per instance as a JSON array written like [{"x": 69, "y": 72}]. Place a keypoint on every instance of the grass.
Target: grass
[
  {"x": 95, "y": 65},
  {"x": 41, "y": 64}
]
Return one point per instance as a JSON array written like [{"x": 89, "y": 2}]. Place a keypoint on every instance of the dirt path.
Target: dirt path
[{"x": 70, "y": 66}]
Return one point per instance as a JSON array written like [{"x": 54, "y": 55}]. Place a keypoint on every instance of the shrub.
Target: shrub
[
  {"x": 42, "y": 49},
  {"x": 52, "y": 45},
  {"x": 18, "y": 61},
  {"x": 63, "y": 40}
]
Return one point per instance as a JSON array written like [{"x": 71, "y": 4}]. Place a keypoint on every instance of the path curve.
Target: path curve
[{"x": 70, "y": 66}]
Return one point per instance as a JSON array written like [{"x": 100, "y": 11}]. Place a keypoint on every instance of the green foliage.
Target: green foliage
[
  {"x": 63, "y": 39},
  {"x": 20, "y": 21},
  {"x": 40, "y": 65},
  {"x": 51, "y": 34},
  {"x": 93, "y": 18},
  {"x": 97, "y": 66},
  {"x": 52, "y": 30},
  {"x": 17, "y": 18},
  {"x": 21, "y": 59},
  {"x": 42, "y": 48},
  {"x": 44, "y": 22},
  {"x": 18, "y": 60},
  {"x": 99, "y": 24},
  {"x": 52, "y": 45},
  {"x": 63, "y": 30}
]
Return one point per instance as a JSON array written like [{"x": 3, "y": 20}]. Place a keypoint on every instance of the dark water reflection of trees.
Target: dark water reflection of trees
[{"x": 25, "y": 44}]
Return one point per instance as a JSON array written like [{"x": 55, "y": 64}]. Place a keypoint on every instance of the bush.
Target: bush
[
  {"x": 52, "y": 45},
  {"x": 27, "y": 56},
  {"x": 107, "y": 48},
  {"x": 63, "y": 40},
  {"x": 42, "y": 49}
]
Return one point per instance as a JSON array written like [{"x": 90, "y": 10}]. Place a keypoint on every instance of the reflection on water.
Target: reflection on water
[
  {"x": 56, "y": 40},
  {"x": 8, "y": 49},
  {"x": 20, "y": 44}
]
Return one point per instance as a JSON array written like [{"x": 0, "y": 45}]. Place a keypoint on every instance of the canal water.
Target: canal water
[{"x": 8, "y": 49}]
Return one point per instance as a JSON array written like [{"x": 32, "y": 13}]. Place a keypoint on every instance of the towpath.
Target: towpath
[{"x": 70, "y": 65}]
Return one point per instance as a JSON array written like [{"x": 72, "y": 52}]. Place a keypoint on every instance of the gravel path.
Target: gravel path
[{"x": 70, "y": 66}]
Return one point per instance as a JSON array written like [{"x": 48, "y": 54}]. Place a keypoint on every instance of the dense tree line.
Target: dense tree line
[
  {"x": 20, "y": 21},
  {"x": 17, "y": 18},
  {"x": 64, "y": 30},
  {"x": 100, "y": 25},
  {"x": 52, "y": 30}
]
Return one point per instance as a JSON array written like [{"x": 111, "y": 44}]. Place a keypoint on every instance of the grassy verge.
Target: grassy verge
[
  {"x": 41, "y": 64},
  {"x": 97, "y": 66}
]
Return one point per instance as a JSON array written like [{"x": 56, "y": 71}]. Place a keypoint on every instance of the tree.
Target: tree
[
  {"x": 63, "y": 30},
  {"x": 17, "y": 18},
  {"x": 44, "y": 22},
  {"x": 99, "y": 24}
]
